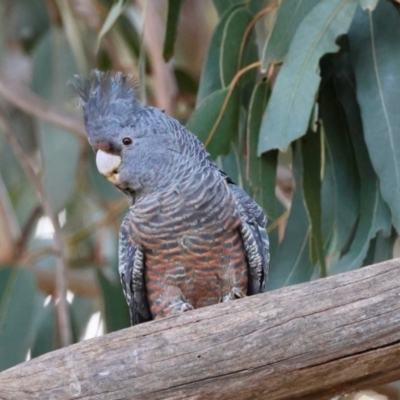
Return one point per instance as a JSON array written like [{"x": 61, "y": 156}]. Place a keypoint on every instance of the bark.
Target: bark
[{"x": 309, "y": 341}]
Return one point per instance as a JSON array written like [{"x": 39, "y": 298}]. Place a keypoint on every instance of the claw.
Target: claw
[
  {"x": 234, "y": 294},
  {"x": 186, "y": 307}
]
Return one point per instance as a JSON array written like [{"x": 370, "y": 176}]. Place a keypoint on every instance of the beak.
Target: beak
[{"x": 108, "y": 164}]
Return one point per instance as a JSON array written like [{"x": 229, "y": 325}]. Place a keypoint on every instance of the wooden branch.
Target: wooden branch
[
  {"x": 21, "y": 97},
  {"x": 58, "y": 241},
  {"x": 310, "y": 341}
]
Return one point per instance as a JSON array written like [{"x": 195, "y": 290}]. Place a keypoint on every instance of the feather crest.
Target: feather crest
[{"x": 110, "y": 95}]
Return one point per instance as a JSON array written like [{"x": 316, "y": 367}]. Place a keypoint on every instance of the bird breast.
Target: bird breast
[{"x": 191, "y": 241}]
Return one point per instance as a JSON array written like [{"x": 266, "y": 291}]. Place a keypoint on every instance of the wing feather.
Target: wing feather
[
  {"x": 255, "y": 238},
  {"x": 131, "y": 271}
]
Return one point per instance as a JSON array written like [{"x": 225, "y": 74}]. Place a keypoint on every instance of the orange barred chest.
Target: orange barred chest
[
  {"x": 204, "y": 269},
  {"x": 191, "y": 254}
]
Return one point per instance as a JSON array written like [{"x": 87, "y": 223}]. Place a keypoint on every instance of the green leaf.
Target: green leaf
[
  {"x": 340, "y": 185},
  {"x": 116, "y": 313},
  {"x": 73, "y": 34},
  {"x": 291, "y": 263},
  {"x": 230, "y": 164},
  {"x": 186, "y": 82},
  {"x": 380, "y": 249},
  {"x": 374, "y": 216},
  {"x": 128, "y": 31},
  {"x": 224, "y": 5},
  {"x": 374, "y": 213},
  {"x": 174, "y": 9},
  {"x": 22, "y": 195},
  {"x": 287, "y": 19},
  {"x": 82, "y": 308},
  {"x": 223, "y": 57},
  {"x": 2, "y": 42},
  {"x": 260, "y": 171},
  {"x": 288, "y": 112},
  {"x": 368, "y": 4},
  {"x": 53, "y": 66},
  {"x": 216, "y": 127},
  {"x": 115, "y": 12},
  {"x": 60, "y": 151},
  {"x": 17, "y": 312},
  {"x": 45, "y": 335},
  {"x": 311, "y": 154},
  {"x": 30, "y": 20},
  {"x": 375, "y": 54},
  {"x": 252, "y": 5}
]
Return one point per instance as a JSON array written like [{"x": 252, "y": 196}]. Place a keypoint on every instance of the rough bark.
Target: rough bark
[{"x": 309, "y": 341}]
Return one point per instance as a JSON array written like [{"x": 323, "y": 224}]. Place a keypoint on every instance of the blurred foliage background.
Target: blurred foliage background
[{"x": 298, "y": 101}]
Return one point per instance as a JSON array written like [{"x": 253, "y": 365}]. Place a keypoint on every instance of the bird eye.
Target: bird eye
[{"x": 127, "y": 141}]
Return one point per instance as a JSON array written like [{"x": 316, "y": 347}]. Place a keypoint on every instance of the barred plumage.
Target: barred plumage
[{"x": 191, "y": 237}]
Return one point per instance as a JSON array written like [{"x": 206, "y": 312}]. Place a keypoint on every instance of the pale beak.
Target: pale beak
[{"x": 108, "y": 164}]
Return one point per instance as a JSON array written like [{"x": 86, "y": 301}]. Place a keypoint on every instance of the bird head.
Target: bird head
[{"x": 133, "y": 145}]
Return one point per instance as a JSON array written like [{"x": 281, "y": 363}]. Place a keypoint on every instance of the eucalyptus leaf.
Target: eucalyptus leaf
[
  {"x": 287, "y": 19},
  {"x": 231, "y": 165},
  {"x": 380, "y": 248},
  {"x": 81, "y": 309},
  {"x": 215, "y": 125},
  {"x": 260, "y": 171},
  {"x": 224, "y": 55},
  {"x": 340, "y": 184},
  {"x": 53, "y": 66},
  {"x": 224, "y": 5},
  {"x": 174, "y": 8},
  {"x": 291, "y": 262},
  {"x": 312, "y": 164},
  {"x": 18, "y": 310},
  {"x": 375, "y": 54},
  {"x": 116, "y": 314},
  {"x": 368, "y": 4},
  {"x": 27, "y": 20},
  {"x": 116, "y": 10},
  {"x": 288, "y": 112},
  {"x": 45, "y": 335},
  {"x": 186, "y": 82},
  {"x": 374, "y": 212},
  {"x": 60, "y": 151}
]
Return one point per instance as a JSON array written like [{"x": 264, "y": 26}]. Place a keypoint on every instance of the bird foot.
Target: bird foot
[
  {"x": 234, "y": 294},
  {"x": 186, "y": 307}
]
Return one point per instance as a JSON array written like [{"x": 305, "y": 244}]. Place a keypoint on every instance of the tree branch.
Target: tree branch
[
  {"x": 165, "y": 88},
  {"x": 309, "y": 341},
  {"x": 24, "y": 99},
  {"x": 58, "y": 242}
]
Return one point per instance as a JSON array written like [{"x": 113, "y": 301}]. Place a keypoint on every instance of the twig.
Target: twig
[
  {"x": 164, "y": 83},
  {"x": 227, "y": 98},
  {"x": 29, "y": 257},
  {"x": 27, "y": 229},
  {"x": 82, "y": 281},
  {"x": 278, "y": 221},
  {"x": 9, "y": 227},
  {"x": 249, "y": 28},
  {"x": 23, "y": 98},
  {"x": 58, "y": 243},
  {"x": 115, "y": 209}
]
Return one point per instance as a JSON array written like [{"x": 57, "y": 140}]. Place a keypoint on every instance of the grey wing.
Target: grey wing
[
  {"x": 255, "y": 238},
  {"x": 131, "y": 271}
]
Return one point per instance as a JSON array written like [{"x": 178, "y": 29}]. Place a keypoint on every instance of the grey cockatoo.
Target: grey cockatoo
[{"x": 191, "y": 237}]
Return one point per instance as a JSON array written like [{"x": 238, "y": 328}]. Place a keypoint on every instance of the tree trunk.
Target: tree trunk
[{"x": 309, "y": 341}]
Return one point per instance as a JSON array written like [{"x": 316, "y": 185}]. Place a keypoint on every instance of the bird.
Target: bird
[{"x": 191, "y": 237}]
